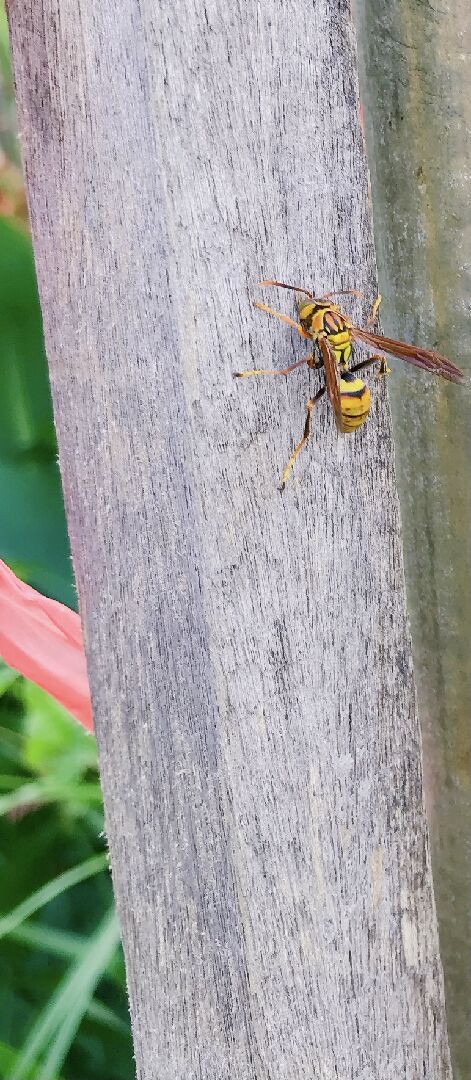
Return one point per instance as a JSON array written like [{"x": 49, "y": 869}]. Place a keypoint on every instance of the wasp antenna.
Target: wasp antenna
[{"x": 293, "y": 288}]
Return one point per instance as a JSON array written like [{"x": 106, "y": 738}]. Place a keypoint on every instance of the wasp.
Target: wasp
[{"x": 333, "y": 337}]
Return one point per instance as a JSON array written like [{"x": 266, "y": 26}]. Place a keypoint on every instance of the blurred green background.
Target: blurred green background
[{"x": 63, "y": 1006}]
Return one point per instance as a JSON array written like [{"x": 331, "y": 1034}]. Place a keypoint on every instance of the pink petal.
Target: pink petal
[{"x": 42, "y": 639}]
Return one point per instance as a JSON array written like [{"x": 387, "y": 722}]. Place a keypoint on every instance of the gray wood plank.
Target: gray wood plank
[{"x": 248, "y": 651}]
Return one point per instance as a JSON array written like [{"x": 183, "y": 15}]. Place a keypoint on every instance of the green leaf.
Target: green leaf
[
  {"x": 4, "y": 45},
  {"x": 55, "y": 744},
  {"x": 9, "y": 782},
  {"x": 79, "y": 797},
  {"x": 33, "y": 531},
  {"x": 102, "y": 1014},
  {"x": 7, "y": 677},
  {"x": 53, "y": 888},
  {"x": 47, "y": 939},
  {"x": 8, "y": 1060},
  {"x": 8, "y": 139},
  {"x": 25, "y": 402},
  {"x": 32, "y": 521},
  {"x": 60, "y": 1019},
  {"x": 63, "y": 944}
]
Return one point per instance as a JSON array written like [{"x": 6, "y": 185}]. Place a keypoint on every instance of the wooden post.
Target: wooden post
[
  {"x": 248, "y": 651},
  {"x": 418, "y": 111}
]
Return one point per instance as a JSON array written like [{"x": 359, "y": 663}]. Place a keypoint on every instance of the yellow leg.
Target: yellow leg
[
  {"x": 306, "y": 434},
  {"x": 383, "y": 368},
  {"x": 272, "y": 371},
  {"x": 341, "y": 292},
  {"x": 374, "y": 311},
  {"x": 284, "y": 318}
]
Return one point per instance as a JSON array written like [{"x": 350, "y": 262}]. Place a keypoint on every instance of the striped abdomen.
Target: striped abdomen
[{"x": 355, "y": 401}]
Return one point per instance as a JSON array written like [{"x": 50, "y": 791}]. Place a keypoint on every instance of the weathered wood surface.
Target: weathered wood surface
[
  {"x": 418, "y": 112},
  {"x": 248, "y": 652}
]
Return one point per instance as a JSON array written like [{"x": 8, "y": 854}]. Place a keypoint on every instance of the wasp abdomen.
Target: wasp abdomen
[
  {"x": 355, "y": 401},
  {"x": 342, "y": 345}
]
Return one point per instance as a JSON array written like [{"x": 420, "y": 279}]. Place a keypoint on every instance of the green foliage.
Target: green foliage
[
  {"x": 63, "y": 1010},
  {"x": 54, "y": 747},
  {"x": 33, "y": 534},
  {"x": 8, "y": 140}
]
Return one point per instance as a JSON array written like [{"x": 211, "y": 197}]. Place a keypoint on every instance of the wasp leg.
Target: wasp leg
[
  {"x": 374, "y": 311},
  {"x": 292, "y": 288},
  {"x": 284, "y": 318},
  {"x": 306, "y": 434},
  {"x": 272, "y": 371},
  {"x": 341, "y": 292},
  {"x": 383, "y": 368},
  {"x": 313, "y": 360}
]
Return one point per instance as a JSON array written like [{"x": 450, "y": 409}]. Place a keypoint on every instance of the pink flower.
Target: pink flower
[{"x": 42, "y": 639}]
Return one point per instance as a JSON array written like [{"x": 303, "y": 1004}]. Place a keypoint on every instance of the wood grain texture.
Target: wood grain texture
[{"x": 248, "y": 652}]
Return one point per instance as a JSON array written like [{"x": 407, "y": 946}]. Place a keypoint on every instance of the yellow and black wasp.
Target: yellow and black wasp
[{"x": 333, "y": 335}]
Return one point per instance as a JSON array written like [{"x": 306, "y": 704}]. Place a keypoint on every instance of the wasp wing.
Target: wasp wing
[
  {"x": 332, "y": 380},
  {"x": 411, "y": 354}
]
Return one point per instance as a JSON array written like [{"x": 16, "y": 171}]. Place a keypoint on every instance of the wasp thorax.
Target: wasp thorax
[{"x": 305, "y": 307}]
